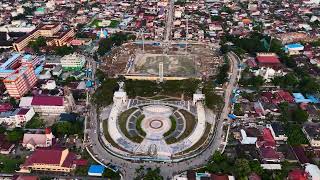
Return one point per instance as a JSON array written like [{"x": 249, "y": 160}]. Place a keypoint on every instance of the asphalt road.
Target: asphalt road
[
  {"x": 169, "y": 20},
  {"x": 128, "y": 168}
]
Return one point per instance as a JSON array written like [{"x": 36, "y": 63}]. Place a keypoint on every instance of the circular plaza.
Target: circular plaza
[{"x": 155, "y": 129}]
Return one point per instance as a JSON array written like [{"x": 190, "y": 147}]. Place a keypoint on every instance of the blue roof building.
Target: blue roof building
[
  {"x": 293, "y": 48},
  {"x": 313, "y": 99},
  {"x": 299, "y": 98},
  {"x": 96, "y": 170}
]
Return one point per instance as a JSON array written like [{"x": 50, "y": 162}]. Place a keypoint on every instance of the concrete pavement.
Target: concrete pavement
[{"x": 128, "y": 168}]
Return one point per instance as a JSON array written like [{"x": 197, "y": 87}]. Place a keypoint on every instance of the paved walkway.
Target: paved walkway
[{"x": 167, "y": 170}]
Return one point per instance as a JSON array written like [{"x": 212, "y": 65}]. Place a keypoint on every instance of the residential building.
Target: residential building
[
  {"x": 52, "y": 160},
  {"x": 73, "y": 62},
  {"x": 33, "y": 141},
  {"x": 249, "y": 136},
  {"x": 312, "y": 132},
  {"x": 16, "y": 117},
  {"x": 6, "y": 147},
  {"x": 277, "y": 131},
  {"x": 20, "y": 81}
]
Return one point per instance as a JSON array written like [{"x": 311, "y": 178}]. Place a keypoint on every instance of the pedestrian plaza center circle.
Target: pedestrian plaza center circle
[{"x": 156, "y": 124}]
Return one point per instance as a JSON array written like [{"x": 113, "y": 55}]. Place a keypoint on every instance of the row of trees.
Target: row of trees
[
  {"x": 117, "y": 39},
  {"x": 222, "y": 75},
  {"x": 104, "y": 94}
]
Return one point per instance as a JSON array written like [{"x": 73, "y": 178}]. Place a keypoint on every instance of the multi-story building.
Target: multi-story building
[
  {"x": 52, "y": 160},
  {"x": 73, "y": 61},
  {"x": 51, "y": 31},
  {"x": 20, "y": 81},
  {"x": 16, "y": 117}
]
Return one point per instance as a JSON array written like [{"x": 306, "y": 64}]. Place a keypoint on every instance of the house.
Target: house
[
  {"x": 284, "y": 96},
  {"x": 51, "y": 160},
  {"x": 312, "y": 132},
  {"x": 249, "y": 135},
  {"x": 32, "y": 141},
  {"x": 5, "y": 146},
  {"x": 277, "y": 131},
  {"x": 267, "y": 147}
]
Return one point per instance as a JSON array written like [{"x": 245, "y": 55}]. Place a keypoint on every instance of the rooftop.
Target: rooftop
[{"x": 47, "y": 101}]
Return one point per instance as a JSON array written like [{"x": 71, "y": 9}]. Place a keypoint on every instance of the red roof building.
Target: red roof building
[
  {"x": 297, "y": 174},
  {"x": 267, "y": 139},
  {"x": 5, "y": 107},
  {"x": 268, "y": 60},
  {"x": 54, "y": 160},
  {"x": 47, "y": 101},
  {"x": 284, "y": 96}
]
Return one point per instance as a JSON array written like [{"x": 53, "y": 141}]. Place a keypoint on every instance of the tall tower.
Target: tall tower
[{"x": 161, "y": 72}]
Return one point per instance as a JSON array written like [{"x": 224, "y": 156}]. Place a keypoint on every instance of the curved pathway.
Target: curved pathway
[{"x": 167, "y": 170}]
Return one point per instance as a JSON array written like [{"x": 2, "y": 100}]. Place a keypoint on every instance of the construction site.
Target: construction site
[{"x": 155, "y": 61}]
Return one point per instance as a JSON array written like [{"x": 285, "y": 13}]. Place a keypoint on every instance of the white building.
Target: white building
[
  {"x": 73, "y": 61},
  {"x": 313, "y": 171},
  {"x": 17, "y": 117},
  {"x": 47, "y": 105},
  {"x": 32, "y": 141},
  {"x": 245, "y": 139}
]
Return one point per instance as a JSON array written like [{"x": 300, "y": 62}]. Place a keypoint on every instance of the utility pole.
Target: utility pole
[
  {"x": 142, "y": 37},
  {"x": 187, "y": 32}
]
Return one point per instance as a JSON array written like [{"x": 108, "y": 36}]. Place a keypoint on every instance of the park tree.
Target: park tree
[
  {"x": 15, "y": 135},
  {"x": 148, "y": 174},
  {"x": 299, "y": 116},
  {"x": 64, "y": 50},
  {"x": 242, "y": 168},
  {"x": 37, "y": 44},
  {"x": 222, "y": 75}
]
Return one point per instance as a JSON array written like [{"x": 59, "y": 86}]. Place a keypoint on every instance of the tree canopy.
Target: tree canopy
[{"x": 148, "y": 174}]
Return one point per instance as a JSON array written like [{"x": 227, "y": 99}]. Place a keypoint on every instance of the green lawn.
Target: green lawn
[
  {"x": 138, "y": 126},
  {"x": 172, "y": 128},
  {"x": 123, "y": 118},
  {"x": 191, "y": 122},
  {"x": 95, "y": 23},
  {"x": 114, "y": 24}
]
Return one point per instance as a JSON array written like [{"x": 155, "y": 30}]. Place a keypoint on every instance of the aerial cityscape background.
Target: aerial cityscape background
[{"x": 160, "y": 89}]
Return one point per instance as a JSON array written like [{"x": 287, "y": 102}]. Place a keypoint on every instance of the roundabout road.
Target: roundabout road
[{"x": 128, "y": 168}]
